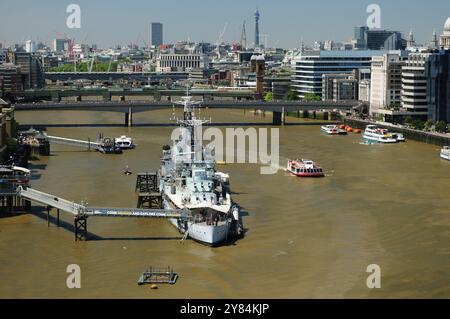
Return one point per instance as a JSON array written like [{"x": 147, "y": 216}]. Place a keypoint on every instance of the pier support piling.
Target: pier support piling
[
  {"x": 80, "y": 228},
  {"x": 48, "y": 216},
  {"x": 129, "y": 118},
  {"x": 57, "y": 217},
  {"x": 107, "y": 97},
  {"x": 279, "y": 118}
]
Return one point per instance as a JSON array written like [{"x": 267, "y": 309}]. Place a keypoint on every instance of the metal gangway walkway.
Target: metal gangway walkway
[
  {"x": 51, "y": 201},
  {"x": 72, "y": 142},
  {"x": 81, "y": 212}
]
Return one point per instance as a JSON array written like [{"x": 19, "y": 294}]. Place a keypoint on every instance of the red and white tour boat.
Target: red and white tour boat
[{"x": 304, "y": 168}]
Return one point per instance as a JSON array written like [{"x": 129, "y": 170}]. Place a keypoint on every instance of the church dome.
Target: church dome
[{"x": 447, "y": 26}]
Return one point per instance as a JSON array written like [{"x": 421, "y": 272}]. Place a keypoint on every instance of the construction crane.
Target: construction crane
[
  {"x": 222, "y": 34},
  {"x": 110, "y": 63},
  {"x": 265, "y": 38},
  {"x": 94, "y": 56},
  {"x": 220, "y": 41}
]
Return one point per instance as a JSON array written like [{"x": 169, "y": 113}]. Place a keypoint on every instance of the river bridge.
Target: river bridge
[
  {"x": 122, "y": 94},
  {"x": 278, "y": 108}
]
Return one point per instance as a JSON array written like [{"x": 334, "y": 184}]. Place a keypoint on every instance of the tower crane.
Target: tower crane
[{"x": 220, "y": 41}]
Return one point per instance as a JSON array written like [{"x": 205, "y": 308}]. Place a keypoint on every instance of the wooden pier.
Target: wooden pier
[{"x": 147, "y": 188}]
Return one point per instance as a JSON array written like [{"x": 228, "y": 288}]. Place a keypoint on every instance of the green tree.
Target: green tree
[
  {"x": 268, "y": 97},
  {"x": 418, "y": 124},
  {"x": 291, "y": 95},
  {"x": 409, "y": 120},
  {"x": 441, "y": 127},
  {"x": 429, "y": 124},
  {"x": 98, "y": 66},
  {"x": 312, "y": 97}
]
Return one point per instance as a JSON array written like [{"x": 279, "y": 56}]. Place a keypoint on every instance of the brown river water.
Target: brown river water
[{"x": 379, "y": 204}]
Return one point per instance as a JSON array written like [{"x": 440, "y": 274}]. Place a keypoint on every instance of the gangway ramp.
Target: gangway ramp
[
  {"x": 51, "y": 200},
  {"x": 82, "y": 212},
  {"x": 72, "y": 142}
]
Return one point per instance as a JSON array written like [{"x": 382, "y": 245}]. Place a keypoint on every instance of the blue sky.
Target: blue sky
[{"x": 107, "y": 22}]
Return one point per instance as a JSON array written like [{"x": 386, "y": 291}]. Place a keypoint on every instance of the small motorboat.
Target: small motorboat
[
  {"x": 125, "y": 143},
  {"x": 304, "y": 168},
  {"x": 110, "y": 150},
  {"x": 399, "y": 137},
  {"x": 333, "y": 130},
  {"x": 445, "y": 153},
  {"x": 108, "y": 146}
]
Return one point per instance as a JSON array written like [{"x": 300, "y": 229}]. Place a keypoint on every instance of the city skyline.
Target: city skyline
[{"x": 101, "y": 21}]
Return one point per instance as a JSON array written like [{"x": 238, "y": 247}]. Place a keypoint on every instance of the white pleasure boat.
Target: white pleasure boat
[
  {"x": 445, "y": 153},
  {"x": 375, "y": 134}
]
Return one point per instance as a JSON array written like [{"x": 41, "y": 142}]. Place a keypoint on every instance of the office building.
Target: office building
[
  {"x": 340, "y": 87},
  {"x": 377, "y": 39},
  {"x": 426, "y": 82},
  {"x": 310, "y": 66},
  {"x": 201, "y": 76},
  {"x": 386, "y": 82},
  {"x": 31, "y": 70},
  {"x": 3, "y": 56},
  {"x": 414, "y": 86},
  {"x": 173, "y": 62},
  {"x": 364, "y": 91},
  {"x": 11, "y": 78},
  {"x": 278, "y": 86},
  {"x": 438, "y": 86},
  {"x": 384, "y": 40},
  {"x": 157, "y": 34},
  {"x": 360, "y": 37},
  {"x": 49, "y": 62},
  {"x": 59, "y": 45},
  {"x": 30, "y": 46}
]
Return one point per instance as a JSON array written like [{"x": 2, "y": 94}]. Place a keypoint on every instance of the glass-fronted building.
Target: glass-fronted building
[{"x": 310, "y": 66}]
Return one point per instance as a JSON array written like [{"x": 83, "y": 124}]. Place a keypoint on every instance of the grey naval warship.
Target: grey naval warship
[{"x": 190, "y": 181}]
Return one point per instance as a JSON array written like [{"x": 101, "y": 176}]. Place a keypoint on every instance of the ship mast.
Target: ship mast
[{"x": 193, "y": 125}]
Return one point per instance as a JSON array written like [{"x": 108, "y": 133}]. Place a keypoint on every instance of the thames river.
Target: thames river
[{"x": 379, "y": 204}]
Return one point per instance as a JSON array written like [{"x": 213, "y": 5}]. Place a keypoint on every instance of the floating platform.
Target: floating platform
[{"x": 158, "y": 276}]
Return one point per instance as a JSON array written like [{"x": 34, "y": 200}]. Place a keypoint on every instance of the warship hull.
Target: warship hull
[{"x": 209, "y": 235}]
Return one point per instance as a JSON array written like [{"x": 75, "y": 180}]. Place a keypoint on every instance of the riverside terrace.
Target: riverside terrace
[{"x": 278, "y": 108}]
